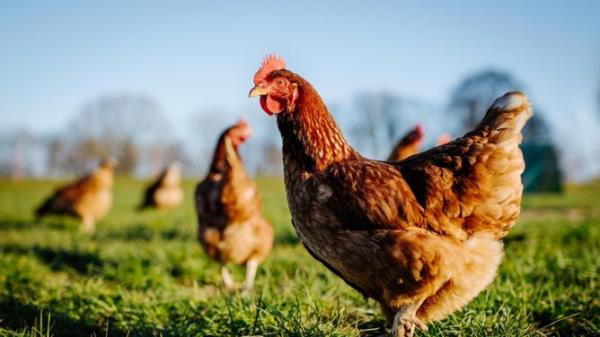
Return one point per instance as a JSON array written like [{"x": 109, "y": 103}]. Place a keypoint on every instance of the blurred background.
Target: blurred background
[{"x": 152, "y": 82}]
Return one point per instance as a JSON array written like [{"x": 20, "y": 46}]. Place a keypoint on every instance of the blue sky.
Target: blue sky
[{"x": 193, "y": 56}]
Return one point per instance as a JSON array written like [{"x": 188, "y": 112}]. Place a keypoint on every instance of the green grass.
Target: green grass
[{"x": 143, "y": 274}]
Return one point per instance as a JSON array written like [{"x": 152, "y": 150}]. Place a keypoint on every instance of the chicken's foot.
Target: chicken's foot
[{"x": 406, "y": 321}]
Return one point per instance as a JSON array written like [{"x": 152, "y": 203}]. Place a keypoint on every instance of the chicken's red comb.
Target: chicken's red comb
[
  {"x": 242, "y": 121},
  {"x": 244, "y": 127},
  {"x": 270, "y": 63}
]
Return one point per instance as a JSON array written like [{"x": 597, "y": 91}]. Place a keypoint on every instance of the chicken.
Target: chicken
[
  {"x": 88, "y": 198},
  {"x": 165, "y": 192},
  {"x": 420, "y": 236},
  {"x": 408, "y": 145},
  {"x": 231, "y": 227}
]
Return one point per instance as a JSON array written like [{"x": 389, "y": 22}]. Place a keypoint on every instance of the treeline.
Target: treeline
[{"x": 134, "y": 128}]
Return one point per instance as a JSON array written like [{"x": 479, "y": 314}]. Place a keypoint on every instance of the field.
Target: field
[{"x": 143, "y": 274}]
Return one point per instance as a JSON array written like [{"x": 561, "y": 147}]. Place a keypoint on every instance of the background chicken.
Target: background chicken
[
  {"x": 408, "y": 145},
  {"x": 165, "y": 192},
  {"x": 231, "y": 227},
  {"x": 420, "y": 236},
  {"x": 443, "y": 139},
  {"x": 88, "y": 198}
]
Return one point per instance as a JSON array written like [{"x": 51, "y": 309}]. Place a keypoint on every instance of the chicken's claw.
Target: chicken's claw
[{"x": 405, "y": 326}]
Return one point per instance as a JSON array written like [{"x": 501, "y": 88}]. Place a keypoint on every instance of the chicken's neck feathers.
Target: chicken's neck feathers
[
  {"x": 311, "y": 135},
  {"x": 226, "y": 156}
]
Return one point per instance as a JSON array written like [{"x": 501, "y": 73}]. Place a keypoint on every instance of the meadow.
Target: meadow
[{"x": 144, "y": 274}]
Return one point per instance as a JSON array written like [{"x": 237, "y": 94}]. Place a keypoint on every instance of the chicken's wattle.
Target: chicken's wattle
[{"x": 271, "y": 105}]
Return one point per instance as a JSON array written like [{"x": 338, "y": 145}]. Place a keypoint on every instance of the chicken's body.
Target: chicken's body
[
  {"x": 419, "y": 236},
  {"x": 165, "y": 192},
  {"x": 231, "y": 227},
  {"x": 408, "y": 145},
  {"x": 88, "y": 199}
]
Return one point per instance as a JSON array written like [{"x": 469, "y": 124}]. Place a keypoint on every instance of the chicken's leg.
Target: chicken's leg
[
  {"x": 88, "y": 225},
  {"x": 226, "y": 277},
  {"x": 405, "y": 321},
  {"x": 251, "y": 267}
]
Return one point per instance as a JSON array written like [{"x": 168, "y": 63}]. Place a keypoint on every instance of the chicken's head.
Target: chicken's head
[
  {"x": 277, "y": 91},
  {"x": 109, "y": 163},
  {"x": 419, "y": 130},
  {"x": 173, "y": 174},
  {"x": 417, "y": 134},
  {"x": 239, "y": 132}
]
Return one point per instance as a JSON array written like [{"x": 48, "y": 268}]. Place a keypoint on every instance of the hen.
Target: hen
[
  {"x": 420, "y": 236},
  {"x": 88, "y": 198},
  {"x": 231, "y": 227},
  {"x": 408, "y": 145},
  {"x": 165, "y": 192}
]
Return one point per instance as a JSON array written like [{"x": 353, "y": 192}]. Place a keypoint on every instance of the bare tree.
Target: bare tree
[
  {"x": 128, "y": 155},
  {"x": 271, "y": 163},
  {"x": 84, "y": 154},
  {"x": 122, "y": 125},
  {"x": 118, "y": 116},
  {"x": 471, "y": 98},
  {"x": 377, "y": 121},
  {"x": 176, "y": 152},
  {"x": 20, "y": 154},
  {"x": 55, "y": 154},
  {"x": 380, "y": 118}
]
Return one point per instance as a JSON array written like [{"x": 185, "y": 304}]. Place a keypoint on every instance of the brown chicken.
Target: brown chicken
[
  {"x": 408, "y": 145},
  {"x": 420, "y": 236},
  {"x": 231, "y": 227},
  {"x": 165, "y": 192},
  {"x": 88, "y": 198}
]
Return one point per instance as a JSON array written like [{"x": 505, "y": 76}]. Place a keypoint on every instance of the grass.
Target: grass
[{"x": 143, "y": 274}]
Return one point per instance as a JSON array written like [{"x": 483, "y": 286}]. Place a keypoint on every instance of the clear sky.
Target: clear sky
[{"x": 192, "y": 56}]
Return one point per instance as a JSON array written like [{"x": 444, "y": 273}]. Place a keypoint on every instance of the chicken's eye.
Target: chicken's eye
[{"x": 279, "y": 82}]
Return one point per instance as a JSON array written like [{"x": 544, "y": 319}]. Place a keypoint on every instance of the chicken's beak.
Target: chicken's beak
[{"x": 257, "y": 91}]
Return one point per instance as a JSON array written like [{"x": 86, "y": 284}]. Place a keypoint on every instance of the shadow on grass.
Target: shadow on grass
[
  {"x": 18, "y": 316},
  {"x": 372, "y": 328},
  {"x": 56, "y": 258},
  {"x": 575, "y": 324},
  {"x": 287, "y": 238},
  {"x": 143, "y": 232},
  {"x": 16, "y": 224},
  {"x": 512, "y": 239},
  {"x": 31, "y": 223}
]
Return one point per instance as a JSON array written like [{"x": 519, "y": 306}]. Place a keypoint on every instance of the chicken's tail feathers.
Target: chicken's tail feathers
[
  {"x": 500, "y": 163},
  {"x": 46, "y": 208},
  {"x": 508, "y": 115}
]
